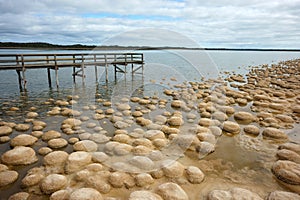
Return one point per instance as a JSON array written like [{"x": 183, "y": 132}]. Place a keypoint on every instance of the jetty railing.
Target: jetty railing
[{"x": 23, "y": 62}]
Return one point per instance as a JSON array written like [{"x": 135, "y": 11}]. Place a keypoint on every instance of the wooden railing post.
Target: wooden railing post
[
  {"x": 74, "y": 61},
  {"x": 96, "y": 71}
]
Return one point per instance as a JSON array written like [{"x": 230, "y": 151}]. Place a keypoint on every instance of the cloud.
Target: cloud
[{"x": 214, "y": 23}]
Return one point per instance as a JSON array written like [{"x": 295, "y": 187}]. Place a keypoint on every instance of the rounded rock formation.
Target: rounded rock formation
[
  {"x": 171, "y": 191},
  {"x": 78, "y": 160},
  {"x": 86, "y": 194},
  {"x": 51, "y": 135},
  {"x": 57, "y": 143},
  {"x": 23, "y": 140},
  {"x": 85, "y": 145},
  {"x": 144, "y": 195},
  {"x": 274, "y": 133},
  {"x": 231, "y": 127},
  {"x": 22, "y": 127},
  {"x": 53, "y": 183},
  {"x": 5, "y": 130},
  {"x": 252, "y": 130},
  {"x": 19, "y": 155},
  {"x": 243, "y": 117},
  {"x": 194, "y": 175},
  {"x": 282, "y": 195},
  {"x": 7, "y": 177},
  {"x": 172, "y": 169}
]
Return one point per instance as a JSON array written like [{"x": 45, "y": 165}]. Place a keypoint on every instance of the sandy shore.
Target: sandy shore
[{"x": 227, "y": 138}]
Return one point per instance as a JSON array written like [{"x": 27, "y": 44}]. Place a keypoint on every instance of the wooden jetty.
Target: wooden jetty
[{"x": 23, "y": 62}]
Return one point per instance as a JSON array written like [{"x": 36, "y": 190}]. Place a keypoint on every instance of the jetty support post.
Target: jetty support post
[
  {"x": 56, "y": 71},
  {"x": 20, "y": 80},
  {"x": 74, "y": 60},
  {"x": 96, "y": 71},
  {"x": 23, "y": 72},
  {"x": 106, "y": 68},
  {"x": 82, "y": 67},
  {"x": 48, "y": 73}
]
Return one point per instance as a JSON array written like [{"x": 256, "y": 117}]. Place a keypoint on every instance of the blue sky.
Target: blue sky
[{"x": 214, "y": 23}]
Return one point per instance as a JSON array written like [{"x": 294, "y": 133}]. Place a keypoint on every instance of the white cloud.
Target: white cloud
[{"x": 214, "y": 23}]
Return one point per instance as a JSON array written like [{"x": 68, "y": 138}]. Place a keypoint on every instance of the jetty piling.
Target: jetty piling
[{"x": 23, "y": 62}]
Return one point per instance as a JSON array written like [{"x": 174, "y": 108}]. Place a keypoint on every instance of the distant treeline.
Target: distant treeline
[{"x": 44, "y": 45}]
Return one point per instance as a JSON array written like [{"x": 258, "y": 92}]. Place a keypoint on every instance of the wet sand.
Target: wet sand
[{"x": 204, "y": 137}]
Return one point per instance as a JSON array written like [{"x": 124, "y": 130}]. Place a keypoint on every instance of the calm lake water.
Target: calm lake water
[{"x": 185, "y": 65}]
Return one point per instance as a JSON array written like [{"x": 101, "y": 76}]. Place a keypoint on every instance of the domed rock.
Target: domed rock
[
  {"x": 252, "y": 130},
  {"x": 122, "y": 149},
  {"x": 172, "y": 169},
  {"x": 23, "y": 140},
  {"x": 204, "y": 148},
  {"x": 290, "y": 146},
  {"x": 97, "y": 182},
  {"x": 78, "y": 160},
  {"x": 44, "y": 151},
  {"x": 39, "y": 123},
  {"x": 287, "y": 171},
  {"x": 85, "y": 145},
  {"x": 234, "y": 194},
  {"x": 72, "y": 122},
  {"x": 123, "y": 107},
  {"x": 285, "y": 154},
  {"x": 19, "y": 155},
  {"x": 175, "y": 121},
  {"x": 120, "y": 179},
  {"x": 37, "y": 134},
  {"x": 194, "y": 175},
  {"x": 99, "y": 157},
  {"x": 143, "y": 179},
  {"x": 5, "y": 130},
  {"x": 206, "y": 122},
  {"x": 274, "y": 133},
  {"x": 56, "y": 158},
  {"x": 296, "y": 109},
  {"x": 33, "y": 177},
  {"x": 32, "y": 115},
  {"x": 144, "y": 195},
  {"x": 177, "y": 104},
  {"x": 60, "y": 195},
  {"x": 7, "y": 177},
  {"x": 244, "y": 117},
  {"x": 231, "y": 127},
  {"x": 57, "y": 143},
  {"x": 154, "y": 134},
  {"x": 22, "y": 127},
  {"x": 51, "y": 135},
  {"x": 99, "y": 138},
  {"x": 53, "y": 183},
  {"x": 19, "y": 196},
  {"x": 282, "y": 195},
  {"x": 86, "y": 194},
  {"x": 142, "y": 162},
  {"x": 171, "y": 191}
]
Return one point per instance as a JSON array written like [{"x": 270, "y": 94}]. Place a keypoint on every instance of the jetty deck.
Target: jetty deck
[{"x": 23, "y": 62}]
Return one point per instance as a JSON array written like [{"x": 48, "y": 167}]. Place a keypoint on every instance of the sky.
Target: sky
[{"x": 200, "y": 23}]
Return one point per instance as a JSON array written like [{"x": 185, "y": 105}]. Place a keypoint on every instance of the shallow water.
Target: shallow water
[{"x": 241, "y": 160}]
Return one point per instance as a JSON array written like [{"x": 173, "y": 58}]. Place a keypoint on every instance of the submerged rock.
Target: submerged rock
[
  {"x": 287, "y": 171},
  {"x": 172, "y": 169},
  {"x": 78, "y": 160},
  {"x": 233, "y": 194},
  {"x": 244, "y": 117}
]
